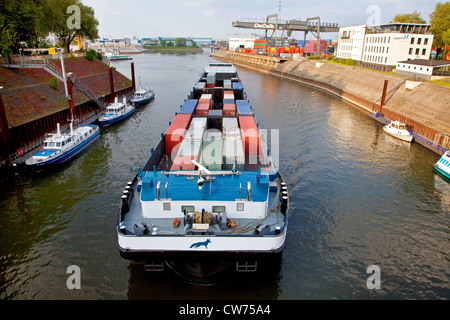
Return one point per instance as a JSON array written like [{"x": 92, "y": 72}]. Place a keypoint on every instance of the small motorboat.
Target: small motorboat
[
  {"x": 398, "y": 130},
  {"x": 442, "y": 167},
  {"x": 116, "y": 112},
  {"x": 142, "y": 96},
  {"x": 61, "y": 147}
]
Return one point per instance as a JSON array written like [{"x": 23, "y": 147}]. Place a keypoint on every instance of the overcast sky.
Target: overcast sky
[{"x": 213, "y": 18}]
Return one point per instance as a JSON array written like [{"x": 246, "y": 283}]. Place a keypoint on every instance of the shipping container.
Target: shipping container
[
  {"x": 196, "y": 129},
  {"x": 215, "y": 119},
  {"x": 227, "y": 84},
  {"x": 206, "y": 96},
  {"x": 237, "y": 85},
  {"x": 183, "y": 162},
  {"x": 230, "y": 123},
  {"x": 211, "y": 78},
  {"x": 212, "y": 150},
  {"x": 202, "y": 108},
  {"x": 188, "y": 106},
  {"x": 176, "y": 131},
  {"x": 243, "y": 108},
  {"x": 232, "y": 134},
  {"x": 250, "y": 135},
  {"x": 200, "y": 85},
  {"x": 229, "y": 109}
]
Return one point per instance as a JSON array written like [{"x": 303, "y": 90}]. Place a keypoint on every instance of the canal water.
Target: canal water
[{"x": 359, "y": 198}]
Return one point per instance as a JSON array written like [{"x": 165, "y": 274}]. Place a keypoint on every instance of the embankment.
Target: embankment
[
  {"x": 33, "y": 107},
  {"x": 424, "y": 108}
]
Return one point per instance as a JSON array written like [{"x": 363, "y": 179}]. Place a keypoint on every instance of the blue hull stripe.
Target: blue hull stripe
[
  {"x": 110, "y": 122},
  {"x": 139, "y": 102}
]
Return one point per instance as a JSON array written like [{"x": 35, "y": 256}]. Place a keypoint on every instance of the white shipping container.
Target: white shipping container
[
  {"x": 196, "y": 129},
  {"x": 190, "y": 148},
  {"x": 232, "y": 134},
  {"x": 206, "y": 96},
  {"x": 230, "y": 123}
]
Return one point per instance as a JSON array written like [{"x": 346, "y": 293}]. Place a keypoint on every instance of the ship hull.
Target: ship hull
[
  {"x": 105, "y": 122},
  {"x": 68, "y": 155}
]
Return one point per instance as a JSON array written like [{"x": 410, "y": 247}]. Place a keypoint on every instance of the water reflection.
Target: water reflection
[{"x": 167, "y": 285}]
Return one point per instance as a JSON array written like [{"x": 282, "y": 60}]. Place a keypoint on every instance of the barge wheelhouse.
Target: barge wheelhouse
[{"x": 210, "y": 196}]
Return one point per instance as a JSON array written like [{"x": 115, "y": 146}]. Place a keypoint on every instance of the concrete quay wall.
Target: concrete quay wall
[{"x": 424, "y": 109}]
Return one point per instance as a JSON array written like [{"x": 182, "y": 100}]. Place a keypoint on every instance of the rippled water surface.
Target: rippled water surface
[{"x": 358, "y": 198}]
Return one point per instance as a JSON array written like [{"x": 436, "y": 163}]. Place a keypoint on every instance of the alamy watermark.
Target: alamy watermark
[
  {"x": 74, "y": 280},
  {"x": 375, "y": 15},
  {"x": 74, "y": 21},
  {"x": 374, "y": 280}
]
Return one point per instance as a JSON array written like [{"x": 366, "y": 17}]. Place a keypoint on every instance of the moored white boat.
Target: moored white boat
[
  {"x": 115, "y": 55},
  {"x": 142, "y": 96},
  {"x": 116, "y": 112},
  {"x": 442, "y": 167},
  {"x": 61, "y": 147},
  {"x": 398, "y": 129}
]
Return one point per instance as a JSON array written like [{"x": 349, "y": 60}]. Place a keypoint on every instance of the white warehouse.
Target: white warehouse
[{"x": 381, "y": 47}]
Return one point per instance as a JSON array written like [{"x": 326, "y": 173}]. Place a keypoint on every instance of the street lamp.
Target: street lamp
[{"x": 61, "y": 51}]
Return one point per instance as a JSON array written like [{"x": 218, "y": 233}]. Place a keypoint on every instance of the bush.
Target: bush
[
  {"x": 350, "y": 62},
  {"x": 54, "y": 83},
  {"x": 89, "y": 55}
]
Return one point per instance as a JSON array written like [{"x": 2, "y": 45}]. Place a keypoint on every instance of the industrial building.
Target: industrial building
[{"x": 381, "y": 47}]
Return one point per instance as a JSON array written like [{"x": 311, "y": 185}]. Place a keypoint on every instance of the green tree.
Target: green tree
[
  {"x": 180, "y": 42},
  {"x": 440, "y": 26},
  {"x": 193, "y": 44},
  {"x": 22, "y": 23},
  {"x": 56, "y": 13},
  {"x": 409, "y": 18}
]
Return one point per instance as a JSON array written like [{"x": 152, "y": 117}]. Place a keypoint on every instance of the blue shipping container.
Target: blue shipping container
[
  {"x": 189, "y": 106},
  {"x": 231, "y": 101},
  {"x": 237, "y": 85},
  {"x": 243, "y": 108}
]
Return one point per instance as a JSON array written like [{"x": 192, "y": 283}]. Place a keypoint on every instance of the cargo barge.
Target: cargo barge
[{"x": 210, "y": 197}]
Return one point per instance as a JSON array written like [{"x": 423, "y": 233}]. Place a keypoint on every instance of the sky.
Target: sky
[{"x": 213, "y": 18}]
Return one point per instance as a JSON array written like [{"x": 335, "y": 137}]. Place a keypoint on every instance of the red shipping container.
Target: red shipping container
[
  {"x": 229, "y": 109},
  {"x": 202, "y": 108},
  {"x": 176, "y": 131},
  {"x": 250, "y": 135},
  {"x": 184, "y": 161},
  {"x": 210, "y": 85}
]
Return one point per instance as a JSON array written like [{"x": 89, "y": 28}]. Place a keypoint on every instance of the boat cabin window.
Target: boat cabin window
[
  {"x": 239, "y": 206},
  {"x": 166, "y": 206},
  {"x": 218, "y": 209},
  {"x": 188, "y": 208}
]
